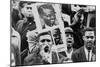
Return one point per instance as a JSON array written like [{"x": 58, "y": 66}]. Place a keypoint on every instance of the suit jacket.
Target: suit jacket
[
  {"x": 79, "y": 55},
  {"x": 22, "y": 28}
]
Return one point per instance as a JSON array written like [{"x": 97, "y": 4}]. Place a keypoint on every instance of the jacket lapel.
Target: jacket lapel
[{"x": 83, "y": 56}]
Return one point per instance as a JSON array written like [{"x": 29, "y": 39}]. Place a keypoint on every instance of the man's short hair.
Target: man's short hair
[
  {"x": 56, "y": 32},
  {"x": 88, "y": 29},
  {"x": 45, "y": 6},
  {"x": 44, "y": 33},
  {"x": 21, "y": 4},
  {"x": 69, "y": 30}
]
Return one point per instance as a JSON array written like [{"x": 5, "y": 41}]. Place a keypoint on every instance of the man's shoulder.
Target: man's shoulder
[
  {"x": 20, "y": 22},
  {"x": 77, "y": 51}
]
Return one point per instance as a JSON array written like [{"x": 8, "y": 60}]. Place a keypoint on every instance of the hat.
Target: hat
[{"x": 68, "y": 30}]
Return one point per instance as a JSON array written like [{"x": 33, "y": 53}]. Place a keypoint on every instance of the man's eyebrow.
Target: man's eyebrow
[{"x": 13, "y": 36}]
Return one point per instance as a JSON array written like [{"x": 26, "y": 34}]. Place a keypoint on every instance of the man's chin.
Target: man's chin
[
  {"x": 68, "y": 47},
  {"x": 89, "y": 44},
  {"x": 50, "y": 23},
  {"x": 89, "y": 47}
]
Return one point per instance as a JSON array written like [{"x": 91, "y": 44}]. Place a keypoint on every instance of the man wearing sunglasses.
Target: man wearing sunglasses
[
  {"x": 86, "y": 53},
  {"x": 46, "y": 44}
]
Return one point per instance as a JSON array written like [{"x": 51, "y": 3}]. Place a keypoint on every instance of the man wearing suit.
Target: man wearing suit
[
  {"x": 26, "y": 23},
  {"x": 47, "y": 16},
  {"x": 87, "y": 52}
]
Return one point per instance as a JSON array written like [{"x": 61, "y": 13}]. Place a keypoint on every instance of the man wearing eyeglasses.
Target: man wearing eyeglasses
[
  {"x": 48, "y": 55},
  {"x": 87, "y": 53}
]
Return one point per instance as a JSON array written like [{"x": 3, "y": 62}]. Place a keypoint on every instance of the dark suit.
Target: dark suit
[
  {"x": 22, "y": 28},
  {"x": 79, "y": 55}
]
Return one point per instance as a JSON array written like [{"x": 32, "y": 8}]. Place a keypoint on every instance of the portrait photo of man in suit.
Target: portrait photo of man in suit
[
  {"x": 48, "y": 16},
  {"x": 57, "y": 36},
  {"x": 87, "y": 52}
]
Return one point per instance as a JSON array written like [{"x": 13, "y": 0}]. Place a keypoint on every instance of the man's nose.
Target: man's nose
[
  {"x": 52, "y": 17},
  {"x": 46, "y": 42},
  {"x": 48, "y": 17},
  {"x": 29, "y": 10},
  {"x": 69, "y": 36},
  {"x": 89, "y": 39},
  {"x": 82, "y": 17}
]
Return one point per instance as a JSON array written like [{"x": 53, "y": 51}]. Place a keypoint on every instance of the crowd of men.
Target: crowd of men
[{"x": 32, "y": 47}]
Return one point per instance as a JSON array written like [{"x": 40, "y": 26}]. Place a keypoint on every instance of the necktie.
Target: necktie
[{"x": 88, "y": 55}]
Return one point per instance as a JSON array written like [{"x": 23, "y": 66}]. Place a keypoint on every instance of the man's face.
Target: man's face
[
  {"x": 27, "y": 10},
  {"x": 69, "y": 40},
  {"x": 80, "y": 17},
  {"x": 49, "y": 17},
  {"x": 46, "y": 42},
  {"x": 89, "y": 38},
  {"x": 15, "y": 4},
  {"x": 58, "y": 39},
  {"x": 57, "y": 36}
]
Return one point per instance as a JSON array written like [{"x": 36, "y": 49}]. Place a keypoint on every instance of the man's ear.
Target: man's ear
[{"x": 83, "y": 37}]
